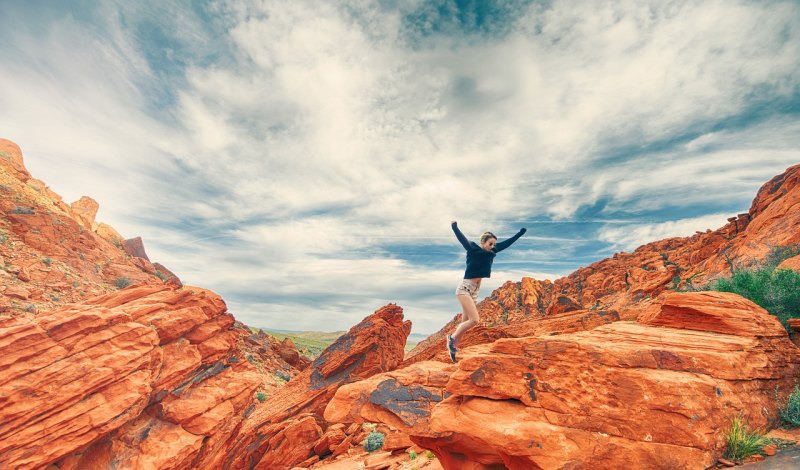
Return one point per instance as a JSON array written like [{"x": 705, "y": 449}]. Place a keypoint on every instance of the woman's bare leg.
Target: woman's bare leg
[{"x": 470, "y": 313}]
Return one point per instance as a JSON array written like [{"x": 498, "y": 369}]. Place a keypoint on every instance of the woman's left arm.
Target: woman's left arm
[{"x": 506, "y": 243}]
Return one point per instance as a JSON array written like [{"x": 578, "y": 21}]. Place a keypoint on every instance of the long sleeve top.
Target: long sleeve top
[{"x": 479, "y": 261}]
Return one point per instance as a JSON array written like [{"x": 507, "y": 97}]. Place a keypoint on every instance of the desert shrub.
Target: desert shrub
[
  {"x": 429, "y": 455},
  {"x": 122, "y": 282},
  {"x": 161, "y": 275},
  {"x": 412, "y": 455},
  {"x": 743, "y": 443},
  {"x": 779, "y": 253},
  {"x": 790, "y": 411},
  {"x": 374, "y": 441},
  {"x": 776, "y": 290},
  {"x": 261, "y": 396}
]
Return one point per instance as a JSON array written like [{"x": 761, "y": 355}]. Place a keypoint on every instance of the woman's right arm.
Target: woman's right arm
[{"x": 459, "y": 235}]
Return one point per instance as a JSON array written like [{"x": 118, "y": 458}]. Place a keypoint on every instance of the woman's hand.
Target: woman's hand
[{"x": 452, "y": 222}]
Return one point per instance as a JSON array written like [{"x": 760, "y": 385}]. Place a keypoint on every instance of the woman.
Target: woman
[{"x": 479, "y": 265}]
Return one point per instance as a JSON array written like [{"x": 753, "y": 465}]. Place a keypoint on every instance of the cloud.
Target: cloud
[
  {"x": 305, "y": 158},
  {"x": 631, "y": 236}
]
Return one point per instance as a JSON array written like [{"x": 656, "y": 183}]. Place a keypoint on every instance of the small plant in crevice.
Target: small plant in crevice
[
  {"x": 261, "y": 397},
  {"x": 122, "y": 282},
  {"x": 790, "y": 411},
  {"x": 374, "y": 441},
  {"x": 741, "y": 442}
]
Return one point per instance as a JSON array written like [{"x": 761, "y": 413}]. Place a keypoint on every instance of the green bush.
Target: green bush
[
  {"x": 374, "y": 441},
  {"x": 790, "y": 412},
  {"x": 122, "y": 282},
  {"x": 412, "y": 455},
  {"x": 261, "y": 396},
  {"x": 777, "y": 290},
  {"x": 743, "y": 443}
]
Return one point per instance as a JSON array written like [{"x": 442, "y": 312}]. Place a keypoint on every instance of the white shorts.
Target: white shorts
[{"x": 470, "y": 288}]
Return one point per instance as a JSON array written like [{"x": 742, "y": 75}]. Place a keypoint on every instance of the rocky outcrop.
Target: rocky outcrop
[
  {"x": 619, "y": 283},
  {"x": 135, "y": 247},
  {"x": 285, "y": 430},
  {"x": 148, "y": 377},
  {"x": 653, "y": 393},
  {"x": 57, "y": 252}
]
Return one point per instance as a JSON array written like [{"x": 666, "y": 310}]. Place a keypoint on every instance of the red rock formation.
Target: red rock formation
[
  {"x": 135, "y": 247},
  {"x": 147, "y": 377},
  {"x": 11, "y": 160},
  {"x": 85, "y": 210},
  {"x": 620, "y": 282},
  {"x": 791, "y": 263},
  {"x": 50, "y": 247},
  {"x": 373, "y": 346},
  {"x": 623, "y": 395}
]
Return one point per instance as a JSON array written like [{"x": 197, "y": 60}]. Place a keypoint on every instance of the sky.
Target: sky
[{"x": 304, "y": 159}]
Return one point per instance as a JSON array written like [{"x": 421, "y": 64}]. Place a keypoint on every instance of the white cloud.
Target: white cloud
[
  {"x": 631, "y": 236},
  {"x": 286, "y": 152}
]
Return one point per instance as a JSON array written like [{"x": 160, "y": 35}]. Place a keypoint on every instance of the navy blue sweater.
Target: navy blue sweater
[{"x": 479, "y": 261}]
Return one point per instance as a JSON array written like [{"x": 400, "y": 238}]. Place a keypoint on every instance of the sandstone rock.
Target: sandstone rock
[
  {"x": 99, "y": 375},
  {"x": 135, "y": 247},
  {"x": 17, "y": 292},
  {"x": 289, "y": 353},
  {"x": 291, "y": 445},
  {"x": 108, "y": 233},
  {"x": 169, "y": 277},
  {"x": 618, "y": 283},
  {"x": 791, "y": 263},
  {"x": 85, "y": 210},
  {"x": 621, "y": 395},
  {"x": 11, "y": 160},
  {"x": 373, "y": 346},
  {"x": 333, "y": 436}
]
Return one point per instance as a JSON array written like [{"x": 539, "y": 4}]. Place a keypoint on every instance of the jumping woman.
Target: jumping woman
[{"x": 479, "y": 265}]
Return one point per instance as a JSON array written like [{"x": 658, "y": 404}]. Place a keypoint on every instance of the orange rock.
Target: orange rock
[
  {"x": 791, "y": 263},
  {"x": 333, "y": 436},
  {"x": 84, "y": 211},
  {"x": 17, "y": 292},
  {"x": 11, "y": 160},
  {"x": 726, "y": 462},
  {"x": 770, "y": 449},
  {"x": 135, "y": 247},
  {"x": 292, "y": 444},
  {"x": 621, "y": 395},
  {"x": 618, "y": 283},
  {"x": 373, "y": 346}
]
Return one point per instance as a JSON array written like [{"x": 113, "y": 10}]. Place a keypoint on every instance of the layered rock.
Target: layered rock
[
  {"x": 622, "y": 281},
  {"x": 55, "y": 251},
  {"x": 285, "y": 430},
  {"x": 656, "y": 393},
  {"x": 147, "y": 377}
]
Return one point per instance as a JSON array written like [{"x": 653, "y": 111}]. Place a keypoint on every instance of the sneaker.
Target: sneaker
[{"x": 451, "y": 348}]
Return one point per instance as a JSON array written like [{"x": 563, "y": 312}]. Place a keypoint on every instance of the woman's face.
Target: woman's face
[{"x": 489, "y": 244}]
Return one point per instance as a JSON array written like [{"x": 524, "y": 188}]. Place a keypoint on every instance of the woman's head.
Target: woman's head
[{"x": 488, "y": 240}]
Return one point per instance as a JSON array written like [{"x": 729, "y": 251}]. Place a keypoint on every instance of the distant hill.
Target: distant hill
[{"x": 312, "y": 343}]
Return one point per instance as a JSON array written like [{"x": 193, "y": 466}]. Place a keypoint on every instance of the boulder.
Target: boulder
[{"x": 656, "y": 393}]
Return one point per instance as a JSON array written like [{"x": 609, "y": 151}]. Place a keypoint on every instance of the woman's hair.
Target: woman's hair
[{"x": 486, "y": 236}]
